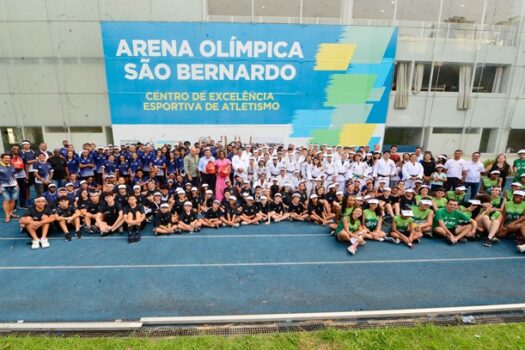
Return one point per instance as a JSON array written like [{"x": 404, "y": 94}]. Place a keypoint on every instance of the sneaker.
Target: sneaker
[
  {"x": 130, "y": 237},
  {"x": 487, "y": 243},
  {"x": 380, "y": 239},
  {"x": 521, "y": 248},
  {"x": 67, "y": 237},
  {"x": 351, "y": 250},
  {"x": 89, "y": 229},
  {"x": 417, "y": 241},
  {"x": 44, "y": 243},
  {"x": 198, "y": 229},
  {"x": 410, "y": 245},
  {"x": 236, "y": 225},
  {"x": 428, "y": 234},
  {"x": 332, "y": 233},
  {"x": 397, "y": 241},
  {"x": 390, "y": 239},
  {"x": 449, "y": 242},
  {"x": 78, "y": 234},
  {"x": 35, "y": 244},
  {"x": 177, "y": 230},
  {"x": 121, "y": 229},
  {"x": 495, "y": 240},
  {"x": 243, "y": 224},
  {"x": 223, "y": 225},
  {"x": 463, "y": 240}
]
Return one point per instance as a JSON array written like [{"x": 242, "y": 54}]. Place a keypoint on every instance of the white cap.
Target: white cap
[
  {"x": 205, "y": 185},
  {"x": 136, "y": 187},
  {"x": 423, "y": 186},
  {"x": 69, "y": 184},
  {"x": 188, "y": 203},
  {"x": 296, "y": 195},
  {"x": 426, "y": 202},
  {"x": 516, "y": 184},
  {"x": 474, "y": 202},
  {"x": 209, "y": 191},
  {"x": 339, "y": 193},
  {"x": 519, "y": 193},
  {"x": 331, "y": 186},
  {"x": 121, "y": 186},
  {"x": 358, "y": 198},
  {"x": 157, "y": 194},
  {"x": 407, "y": 213},
  {"x": 217, "y": 201},
  {"x": 418, "y": 180},
  {"x": 249, "y": 198},
  {"x": 409, "y": 190},
  {"x": 194, "y": 188},
  {"x": 164, "y": 205},
  {"x": 387, "y": 189},
  {"x": 495, "y": 172},
  {"x": 313, "y": 196},
  {"x": 245, "y": 194},
  {"x": 521, "y": 151},
  {"x": 440, "y": 166},
  {"x": 278, "y": 194},
  {"x": 373, "y": 201},
  {"x": 83, "y": 182},
  {"x": 246, "y": 182},
  {"x": 232, "y": 198},
  {"x": 263, "y": 197},
  {"x": 461, "y": 188},
  {"x": 180, "y": 191},
  {"x": 52, "y": 185}
]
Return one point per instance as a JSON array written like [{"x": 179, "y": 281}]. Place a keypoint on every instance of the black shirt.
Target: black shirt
[
  {"x": 317, "y": 208},
  {"x": 188, "y": 218},
  {"x": 264, "y": 208},
  {"x": 213, "y": 214},
  {"x": 278, "y": 208},
  {"x": 390, "y": 199},
  {"x": 250, "y": 211},
  {"x": 229, "y": 210},
  {"x": 138, "y": 209},
  {"x": 161, "y": 218},
  {"x": 122, "y": 199},
  {"x": 69, "y": 211},
  {"x": 35, "y": 214},
  {"x": 297, "y": 209},
  {"x": 82, "y": 203},
  {"x": 94, "y": 208},
  {"x": 404, "y": 202},
  {"x": 59, "y": 167},
  {"x": 110, "y": 212}
]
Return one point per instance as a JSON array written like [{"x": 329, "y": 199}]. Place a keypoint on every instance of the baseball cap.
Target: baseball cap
[{"x": 407, "y": 213}]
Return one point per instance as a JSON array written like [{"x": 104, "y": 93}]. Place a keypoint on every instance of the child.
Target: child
[
  {"x": 135, "y": 219},
  {"x": 162, "y": 222},
  {"x": 213, "y": 216},
  {"x": 296, "y": 209},
  {"x": 67, "y": 216},
  {"x": 231, "y": 213},
  {"x": 350, "y": 230},
  {"x": 404, "y": 229},
  {"x": 278, "y": 212},
  {"x": 250, "y": 212},
  {"x": 188, "y": 221},
  {"x": 373, "y": 220}
]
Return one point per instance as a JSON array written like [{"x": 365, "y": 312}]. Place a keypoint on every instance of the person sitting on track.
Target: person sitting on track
[
  {"x": 296, "y": 209},
  {"x": 350, "y": 229},
  {"x": 231, "y": 212},
  {"x": 163, "y": 221},
  {"x": 278, "y": 212},
  {"x": 89, "y": 214},
  {"x": 110, "y": 218},
  {"x": 213, "y": 216},
  {"x": 404, "y": 228},
  {"x": 424, "y": 216},
  {"x": 489, "y": 220},
  {"x": 514, "y": 217},
  {"x": 265, "y": 209},
  {"x": 188, "y": 221},
  {"x": 36, "y": 221},
  {"x": 66, "y": 217},
  {"x": 447, "y": 224},
  {"x": 135, "y": 219},
  {"x": 250, "y": 212},
  {"x": 373, "y": 220}
]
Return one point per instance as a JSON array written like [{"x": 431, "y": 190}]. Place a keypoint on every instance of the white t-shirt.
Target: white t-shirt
[
  {"x": 455, "y": 167},
  {"x": 473, "y": 170}
]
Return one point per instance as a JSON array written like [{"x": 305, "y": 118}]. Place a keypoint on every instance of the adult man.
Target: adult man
[
  {"x": 191, "y": 166},
  {"x": 455, "y": 168},
  {"x": 36, "y": 221},
  {"x": 384, "y": 169},
  {"x": 239, "y": 164},
  {"x": 9, "y": 186},
  {"x": 454, "y": 225},
  {"x": 42, "y": 149},
  {"x": 412, "y": 170},
  {"x": 58, "y": 164},
  {"x": 394, "y": 155},
  {"x": 207, "y": 168},
  {"x": 472, "y": 172},
  {"x": 67, "y": 216}
]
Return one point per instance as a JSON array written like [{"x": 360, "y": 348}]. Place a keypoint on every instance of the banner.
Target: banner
[{"x": 298, "y": 83}]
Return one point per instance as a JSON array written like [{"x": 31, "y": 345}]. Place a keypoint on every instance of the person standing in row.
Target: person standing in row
[
  {"x": 454, "y": 168},
  {"x": 472, "y": 171}
]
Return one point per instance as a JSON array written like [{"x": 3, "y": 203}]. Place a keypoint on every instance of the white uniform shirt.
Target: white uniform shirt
[
  {"x": 455, "y": 168},
  {"x": 382, "y": 168},
  {"x": 410, "y": 170},
  {"x": 473, "y": 170}
]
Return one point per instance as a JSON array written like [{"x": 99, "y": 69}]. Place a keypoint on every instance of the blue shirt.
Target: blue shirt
[
  {"x": 110, "y": 167},
  {"x": 72, "y": 165},
  {"x": 86, "y": 172},
  {"x": 43, "y": 170},
  {"x": 7, "y": 175},
  {"x": 123, "y": 168}
]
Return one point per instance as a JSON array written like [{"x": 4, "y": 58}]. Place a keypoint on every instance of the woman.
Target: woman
[
  {"x": 123, "y": 167},
  {"x": 351, "y": 230},
  {"x": 438, "y": 178},
  {"x": 315, "y": 174},
  {"x": 223, "y": 168},
  {"x": 502, "y": 166},
  {"x": 159, "y": 163},
  {"x": 72, "y": 165},
  {"x": 188, "y": 221},
  {"x": 373, "y": 220},
  {"x": 429, "y": 166},
  {"x": 405, "y": 230}
]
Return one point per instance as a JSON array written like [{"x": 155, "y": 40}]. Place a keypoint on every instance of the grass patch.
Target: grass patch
[{"x": 504, "y": 336}]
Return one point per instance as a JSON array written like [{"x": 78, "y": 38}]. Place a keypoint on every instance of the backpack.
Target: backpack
[{"x": 210, "y": 168}]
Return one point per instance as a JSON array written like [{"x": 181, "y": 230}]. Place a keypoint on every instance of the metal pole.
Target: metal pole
[
  {"x": 253, "y": 11},
  {"x": 301, "y": 12}
]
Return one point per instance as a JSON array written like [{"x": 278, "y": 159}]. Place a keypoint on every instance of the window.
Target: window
[
  {"x": 13, "y": 135},
  {"x": 447, "y": 130},
  {"x": 403, "y": 136},
  {"x": 488, "y": 79},
  {"x": 515, "y": 140},
  {"x": 446, "y": 77},
  {"x": 488, "y": 139}
]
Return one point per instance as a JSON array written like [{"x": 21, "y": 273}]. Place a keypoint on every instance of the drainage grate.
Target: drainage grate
[{"x": 272, "y": 328}]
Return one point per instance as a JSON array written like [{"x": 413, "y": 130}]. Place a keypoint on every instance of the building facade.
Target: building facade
[{"x": 459, "y": 82}]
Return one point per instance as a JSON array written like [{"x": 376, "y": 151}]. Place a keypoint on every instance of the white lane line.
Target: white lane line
[
  {"x": 177, "y": 236},
  {"x": 258, "y": 264}
]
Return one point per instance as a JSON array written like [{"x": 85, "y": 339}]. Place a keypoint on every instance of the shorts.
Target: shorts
[
  {"x": 38, "y": 232},
  {"x": 10, "y": 193}
]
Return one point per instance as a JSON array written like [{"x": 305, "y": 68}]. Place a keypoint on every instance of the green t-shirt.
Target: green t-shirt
[
  {"x": 351, "y": 227},
  {"x": 496, "y": 202},
  {"x": 420, "y": 215},
  {"x": 508, "y": 195},
  {"x": 371, "y": 219},
  {"x": 454, "y": 195},
  {"x": 451, "y": 220},
  {"x": 348, "y": 211},
  {"x": 488, "y": 183},
  {"x": 440, "y": 202},
  {"x": 402, "y": 224},
  {"x": 519, "y": 164},
  {"x": 514, "y": 210}
]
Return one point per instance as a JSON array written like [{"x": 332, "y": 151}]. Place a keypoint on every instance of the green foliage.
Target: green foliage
[{"x": 502, "y": 336}]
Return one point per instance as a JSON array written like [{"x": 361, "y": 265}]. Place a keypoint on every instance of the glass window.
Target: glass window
[
  {"x": 403, "y": 136},
  {"x": 515, "y": 140},
  {"x": 13, "y": 135},
  {"x": 488, "y": 79},
  {"x": 446, "y": 77}
]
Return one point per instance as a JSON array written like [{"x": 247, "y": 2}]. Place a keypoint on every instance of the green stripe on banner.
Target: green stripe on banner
[
  {"x": 330, "y": 137},
  {"x": 376, "y": 94},
  {"x": 349, "y": 89},
  {"x": 371, "y": 44},
  {"x": 344, "y": 114}
]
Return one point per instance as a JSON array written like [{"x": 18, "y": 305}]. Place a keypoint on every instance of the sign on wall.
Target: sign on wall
[{"x": 315, "y": 83}]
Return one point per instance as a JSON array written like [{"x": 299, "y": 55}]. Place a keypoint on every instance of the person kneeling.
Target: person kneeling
[
  {"x": 67, "y": 217},
  {"x": 135, "y": 219}
]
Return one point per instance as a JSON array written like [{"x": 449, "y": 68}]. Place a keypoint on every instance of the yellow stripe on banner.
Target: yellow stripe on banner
[
  {"x": 334, "y": 56},
  {"x": 356, "y": 134}
]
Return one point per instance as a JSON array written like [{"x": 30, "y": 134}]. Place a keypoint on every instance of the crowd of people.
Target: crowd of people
[{"x": 357, "y": 193}]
